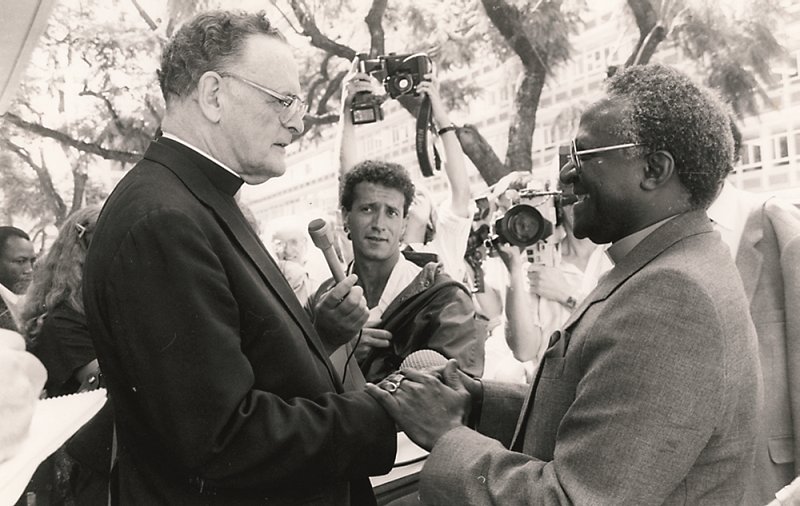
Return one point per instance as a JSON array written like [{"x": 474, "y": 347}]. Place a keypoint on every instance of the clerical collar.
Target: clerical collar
[
  {"x": 621, "y": 248},
  {"x": 225, "y": 180}
]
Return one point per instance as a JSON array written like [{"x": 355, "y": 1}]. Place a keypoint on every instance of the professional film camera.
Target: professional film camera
[
  {"x": 399, "y": 73},
  {"x": 528, "y": 223}
]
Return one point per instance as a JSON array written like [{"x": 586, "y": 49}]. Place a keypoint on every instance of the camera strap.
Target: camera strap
[{"x": 422, "y": 140}]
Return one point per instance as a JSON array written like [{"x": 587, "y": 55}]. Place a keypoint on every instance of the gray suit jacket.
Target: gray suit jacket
[
  {"x": 649, "y": 394},
  {"x": 768, "y": 260}
]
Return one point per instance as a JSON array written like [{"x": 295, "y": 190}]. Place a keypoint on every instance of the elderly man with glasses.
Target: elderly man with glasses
[
  {"x": 650, "y": 392},
  {"x": 222, "y": 388}
]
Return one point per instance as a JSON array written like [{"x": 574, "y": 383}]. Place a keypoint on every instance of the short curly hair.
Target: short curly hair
[
  {"x": 391, "y": 175},
  {"x": 668, "y": 111},
  {"x": 207, "y": 42}
]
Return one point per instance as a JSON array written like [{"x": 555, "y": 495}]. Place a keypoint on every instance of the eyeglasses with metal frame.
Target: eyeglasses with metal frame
[
  {"x": 575, "y": 155},
  {"x": 292, "y": 105}
]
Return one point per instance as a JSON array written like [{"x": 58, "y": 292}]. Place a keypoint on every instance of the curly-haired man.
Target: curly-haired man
[
  {"x": 412, "y": 306},
  {"x": 650, "y": 393}
]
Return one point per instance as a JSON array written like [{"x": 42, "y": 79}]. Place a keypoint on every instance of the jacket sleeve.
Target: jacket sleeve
[
  {"x": 178, "y": 332},
  {"x": 454, "y": 331},
  {"x": 646, "y": 404},
  {"x": 786, "y": 222}
]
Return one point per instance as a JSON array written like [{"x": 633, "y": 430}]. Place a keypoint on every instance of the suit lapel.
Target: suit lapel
[
  {"x": 748, "y": 257},
  {"x": 228, "y": 212},
  {"x": 658, "y": 241}
]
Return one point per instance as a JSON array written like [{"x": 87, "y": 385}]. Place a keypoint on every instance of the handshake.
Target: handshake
[{"x": 428, "y": 396}]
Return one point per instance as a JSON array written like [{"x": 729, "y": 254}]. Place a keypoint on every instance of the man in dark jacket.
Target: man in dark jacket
[
  {"x": 223, "y": 392},
  {"x": 16, "y": 266},
  {"x": 412, "y": 306}
]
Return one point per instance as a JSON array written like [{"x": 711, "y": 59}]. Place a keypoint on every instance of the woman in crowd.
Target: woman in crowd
[
  {"x": 54, "y": 325},
  {"x": 52, "y": 315}
]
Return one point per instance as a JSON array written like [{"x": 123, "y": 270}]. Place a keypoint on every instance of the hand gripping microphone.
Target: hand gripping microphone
[{"x": 321, "y": 236}]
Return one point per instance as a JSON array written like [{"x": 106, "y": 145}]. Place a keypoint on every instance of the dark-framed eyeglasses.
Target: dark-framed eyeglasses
[
  {"x": 575, "y": 155},
  {"x": 292, "y": 105}
]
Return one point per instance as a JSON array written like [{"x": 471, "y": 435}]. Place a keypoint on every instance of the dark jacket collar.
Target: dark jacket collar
[
  {"x": 203, "y": 184},
  {"x": 222, "y": 179}
]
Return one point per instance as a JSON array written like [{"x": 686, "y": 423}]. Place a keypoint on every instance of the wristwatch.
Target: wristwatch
[{"x": 571, "y": 302}]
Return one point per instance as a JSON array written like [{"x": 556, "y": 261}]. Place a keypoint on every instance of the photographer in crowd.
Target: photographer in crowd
[
  {"x": 443, "y": 229},
  {"x": 540, "y": 297}
]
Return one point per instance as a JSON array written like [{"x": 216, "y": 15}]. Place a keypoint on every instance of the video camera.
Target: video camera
[
  {"x": 399, "y": 73},
  {"x": 528, "y": 223}
]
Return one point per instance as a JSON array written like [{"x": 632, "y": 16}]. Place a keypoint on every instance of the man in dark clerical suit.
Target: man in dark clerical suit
[
  {"x": 763, "y": 235},
  {"x": 222, "y": 389},
  {"x": 651, "y": 391}
]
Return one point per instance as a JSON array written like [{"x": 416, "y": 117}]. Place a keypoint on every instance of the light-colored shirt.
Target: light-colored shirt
[
  {"x": 450, "y": 240},
  {"x": 403, "y": 273},
  {"x": 11, "y": 299},
  {"x": 730, "y": 211}
]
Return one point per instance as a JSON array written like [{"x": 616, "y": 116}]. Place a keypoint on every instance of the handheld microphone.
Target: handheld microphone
[
  {"x": 321, "y": 237},
  {"x": 424, "y": 360}
]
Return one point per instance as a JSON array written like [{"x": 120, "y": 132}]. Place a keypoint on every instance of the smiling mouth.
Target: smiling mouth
[
  {"x": 281, "y": 144},
  {"x": 376, "y": 239}
]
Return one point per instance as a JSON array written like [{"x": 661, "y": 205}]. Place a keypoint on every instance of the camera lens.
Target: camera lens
[
  {"x": 400, "y": 84},
  {"x": 522, "y": 226}
]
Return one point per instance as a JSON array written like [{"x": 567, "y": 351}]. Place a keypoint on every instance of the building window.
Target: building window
[
  {"x": 751, "y": 157},
  {"x": 780, "y": 149}
]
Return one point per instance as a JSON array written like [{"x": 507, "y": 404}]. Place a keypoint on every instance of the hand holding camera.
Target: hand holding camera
[
  {"x": 430, "y": 86},
  {"x": 399, "y": 74}
]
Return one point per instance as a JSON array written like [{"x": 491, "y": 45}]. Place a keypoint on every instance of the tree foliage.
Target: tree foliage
[
  {"x": 90, "y": 101},
  {"x": 733, "y": 48}
]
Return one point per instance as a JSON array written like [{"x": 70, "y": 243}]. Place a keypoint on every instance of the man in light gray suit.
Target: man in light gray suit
[
  {"x": 763, "y": 235},
  {"x": 650, "y": 392}
]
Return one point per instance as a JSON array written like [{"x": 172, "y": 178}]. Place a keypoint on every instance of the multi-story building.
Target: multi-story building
[{"x": 770, "y": 154}]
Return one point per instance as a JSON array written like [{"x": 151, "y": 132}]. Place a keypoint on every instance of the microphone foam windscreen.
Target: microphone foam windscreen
[
  {"x": 318, "y": 230},
  {"x": 424, "y": 359}
]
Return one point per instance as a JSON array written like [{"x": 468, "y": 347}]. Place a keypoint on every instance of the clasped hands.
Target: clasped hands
[{"x": 426, "y": 404}]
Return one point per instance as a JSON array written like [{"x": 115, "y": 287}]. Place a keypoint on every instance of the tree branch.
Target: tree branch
[
  {"x": 109, "y": 106},
  {"x": 147, "y": 19},
  {"x": 54, "y": 200},
  {"x": 507, "y": 19},
  {"x": 317, "y": 39},
  {"x": 374, "y": 22},
  {"x": 651, "y": 34},
  {"x": 87, "y": 147}
]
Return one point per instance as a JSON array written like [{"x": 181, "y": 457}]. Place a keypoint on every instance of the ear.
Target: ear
[
  {"x": 659, "y": 170},
  {"x": 208, "y": 96},
  {"x": 345, "y": 219}
]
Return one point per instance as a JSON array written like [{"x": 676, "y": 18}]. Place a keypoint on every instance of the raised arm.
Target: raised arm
[
  {"x": 523, "y": 331},
  {"x": 454, "y": 166},
  {"x": 354, "y": 82}
]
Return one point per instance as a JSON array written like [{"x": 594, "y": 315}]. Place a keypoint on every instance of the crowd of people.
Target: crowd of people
[{"x": 649, "y": 359}]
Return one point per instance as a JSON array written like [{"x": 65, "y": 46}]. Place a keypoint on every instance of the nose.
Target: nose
[
  {"x": 568, "y": 173},
  {"x": 379, "y": 221},
  {"x": 296, "y": 125},
  {"x": 28, "y": 267}
]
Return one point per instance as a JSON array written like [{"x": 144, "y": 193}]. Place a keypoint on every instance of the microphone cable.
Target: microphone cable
[{"x": 350, "y": 355}]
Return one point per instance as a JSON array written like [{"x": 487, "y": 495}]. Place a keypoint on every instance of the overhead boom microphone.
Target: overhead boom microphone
[{"x": 321, "y": 237}]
